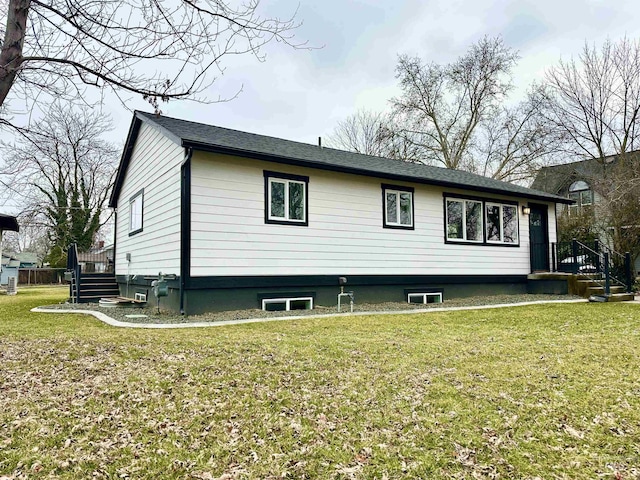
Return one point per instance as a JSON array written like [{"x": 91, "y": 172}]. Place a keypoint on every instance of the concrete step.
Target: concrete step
[
  {"x": 616, "y": 297},
  {"x": 621, "y": 297},
  {"x": 599, "y": 290}
]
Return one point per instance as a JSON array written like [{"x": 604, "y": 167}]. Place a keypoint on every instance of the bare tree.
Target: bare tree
[
  {"x": 62, "y": 173},
  {"x": 618, "y": 211},
  {"x": 160, "y": 49},
  {"x": 373, "y": 133},
  {"x": 592, "y": 103},
  {"x": 32, "y": 238},
  {"x": 441, "y": 106},
  {"x": 592, "y": 107},
  {"x": 513, "y": 143}
]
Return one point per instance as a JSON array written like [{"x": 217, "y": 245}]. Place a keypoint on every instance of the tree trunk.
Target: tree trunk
[{"x": 11, "y": 52}]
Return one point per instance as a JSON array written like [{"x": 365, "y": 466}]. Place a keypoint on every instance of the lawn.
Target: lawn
[{"x": 527, "y": 392}]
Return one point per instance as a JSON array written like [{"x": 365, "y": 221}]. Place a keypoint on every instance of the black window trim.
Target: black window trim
[
  {"x": 398, "y": 188},
  {"x": 455, "y": 196},
  {"x": 139, "y": 193},
  {"x": 268, "y": 175}
]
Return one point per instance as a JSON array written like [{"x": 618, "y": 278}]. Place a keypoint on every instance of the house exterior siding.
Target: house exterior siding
[
  {"x": 154, "y": 168},
  {"x": 345, "y": 234}
]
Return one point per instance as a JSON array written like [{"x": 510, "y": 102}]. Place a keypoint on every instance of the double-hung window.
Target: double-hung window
[
  {"x": 464, "y": 220},
  {"x": 286, "y": 199},
  {"x": 397, "y": 206},
  {"x": 135, "y": 212},
  {"x": 502, "y": 223}
]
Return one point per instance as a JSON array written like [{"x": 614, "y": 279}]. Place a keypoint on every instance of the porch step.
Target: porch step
[
  {"x": 94, "y": 286},
  {"x": 599, "y": 290},
  {"x": 615, "y": 297}
]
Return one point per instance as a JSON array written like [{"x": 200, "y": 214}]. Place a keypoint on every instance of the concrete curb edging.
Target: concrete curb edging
[{"x": 117, "y": 323}]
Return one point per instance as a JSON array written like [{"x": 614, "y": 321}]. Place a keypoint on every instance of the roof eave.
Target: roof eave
[{"x": 207, "y": 147}]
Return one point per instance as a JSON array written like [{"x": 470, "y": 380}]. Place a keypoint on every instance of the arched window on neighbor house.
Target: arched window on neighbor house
[{"x": 581, "y": 193}]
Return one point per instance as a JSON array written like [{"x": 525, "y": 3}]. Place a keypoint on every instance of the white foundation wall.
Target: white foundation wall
[
  {"x": 345, "y": 234},
  {"x": 155, "y": 166}
]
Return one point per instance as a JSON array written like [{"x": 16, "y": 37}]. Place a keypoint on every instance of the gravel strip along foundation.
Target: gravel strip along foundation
[{"x": 150, "y": 318}]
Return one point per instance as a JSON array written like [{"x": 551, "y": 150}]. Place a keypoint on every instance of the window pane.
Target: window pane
[
  {"x": 136, "y": 214},
  {"x": 392, "y": 207},
  {"x": 586, "y": 197},
  {"x": 493, "y": 223},
  {"x": 405, "y": 209},
  {"x": 277, "y": 199},
  {"x": 296, "y": 201},
  {"x": 474, "y": 220},
  {"x": 575, "y": 196},
  {"x": 454, "y": 219},
  {"x": 510, "y": 222}
]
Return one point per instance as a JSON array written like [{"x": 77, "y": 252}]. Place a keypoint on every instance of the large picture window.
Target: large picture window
[
  {"x": 475, "y": 220},
  {"x": 464, "y": 220},
  {"x": 286, "y": 199},
  {"x": 397, "y": 206},
  {"x": 136, "y": 204}
]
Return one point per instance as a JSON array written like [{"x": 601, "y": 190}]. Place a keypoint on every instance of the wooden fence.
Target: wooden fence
[{"x": 41, "y": 276}]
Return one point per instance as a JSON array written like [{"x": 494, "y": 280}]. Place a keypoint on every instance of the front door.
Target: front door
[{"x": 539, "y": 238}]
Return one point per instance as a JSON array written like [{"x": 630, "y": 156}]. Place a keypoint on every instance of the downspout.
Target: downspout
[{"x": 185, "y": 224}]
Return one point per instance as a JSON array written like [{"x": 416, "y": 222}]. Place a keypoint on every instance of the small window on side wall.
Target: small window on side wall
[
  {"x": 286, "y": 199},
  {"x": 397, "y": 203},
  {"x": 136, "y": 208}
]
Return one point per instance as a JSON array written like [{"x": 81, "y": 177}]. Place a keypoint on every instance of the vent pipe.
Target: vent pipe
[{"x": 320, "y": 142}]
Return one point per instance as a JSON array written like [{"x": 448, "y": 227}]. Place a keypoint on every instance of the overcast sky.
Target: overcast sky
[{"x": 302, "y": 94}]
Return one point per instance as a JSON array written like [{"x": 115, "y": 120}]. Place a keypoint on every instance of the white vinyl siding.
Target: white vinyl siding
[
  {"x": 344, "y": 236},
  {"x": 154, "y": 167}
]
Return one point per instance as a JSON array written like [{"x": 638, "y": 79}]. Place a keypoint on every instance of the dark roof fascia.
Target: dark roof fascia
[
  {"x": 9, "y": 223},
  {"x": 134, "y": 129},
  {"x": 206, "y": 147}
]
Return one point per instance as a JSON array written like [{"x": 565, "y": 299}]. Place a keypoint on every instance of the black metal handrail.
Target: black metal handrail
[
  {"x": 578, "y": 258},
  {"x": 73, "y": 267}
]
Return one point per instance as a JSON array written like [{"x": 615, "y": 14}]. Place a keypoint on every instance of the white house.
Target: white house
[{"x": 238, "y": 220}]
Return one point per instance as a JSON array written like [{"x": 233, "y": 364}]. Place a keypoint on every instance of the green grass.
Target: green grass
[{"x": 544, "y": 391}]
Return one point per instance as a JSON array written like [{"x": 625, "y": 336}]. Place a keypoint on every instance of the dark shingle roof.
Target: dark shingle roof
[
  {"x": 556, "y": 179},
  {"x": 210, "y": 138}
]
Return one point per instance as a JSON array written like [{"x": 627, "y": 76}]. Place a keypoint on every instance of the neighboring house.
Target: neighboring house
[
  {"x": 27, "y": 259},
  {"x": 581, "y": 182},
  {"x": 8, "y": 223},
  {"x": 238, "y": 220},
  {"x": 10, "y": 266},
  {"x": 99, "y": 259}
]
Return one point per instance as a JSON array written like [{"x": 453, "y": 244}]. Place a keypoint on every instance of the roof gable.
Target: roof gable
[{"x": 556, "y": 179}]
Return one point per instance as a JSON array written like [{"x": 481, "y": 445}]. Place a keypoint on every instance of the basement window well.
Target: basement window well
[
  {"x": 424, "y": 298},
  {"x": 286, "y": 304}
]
